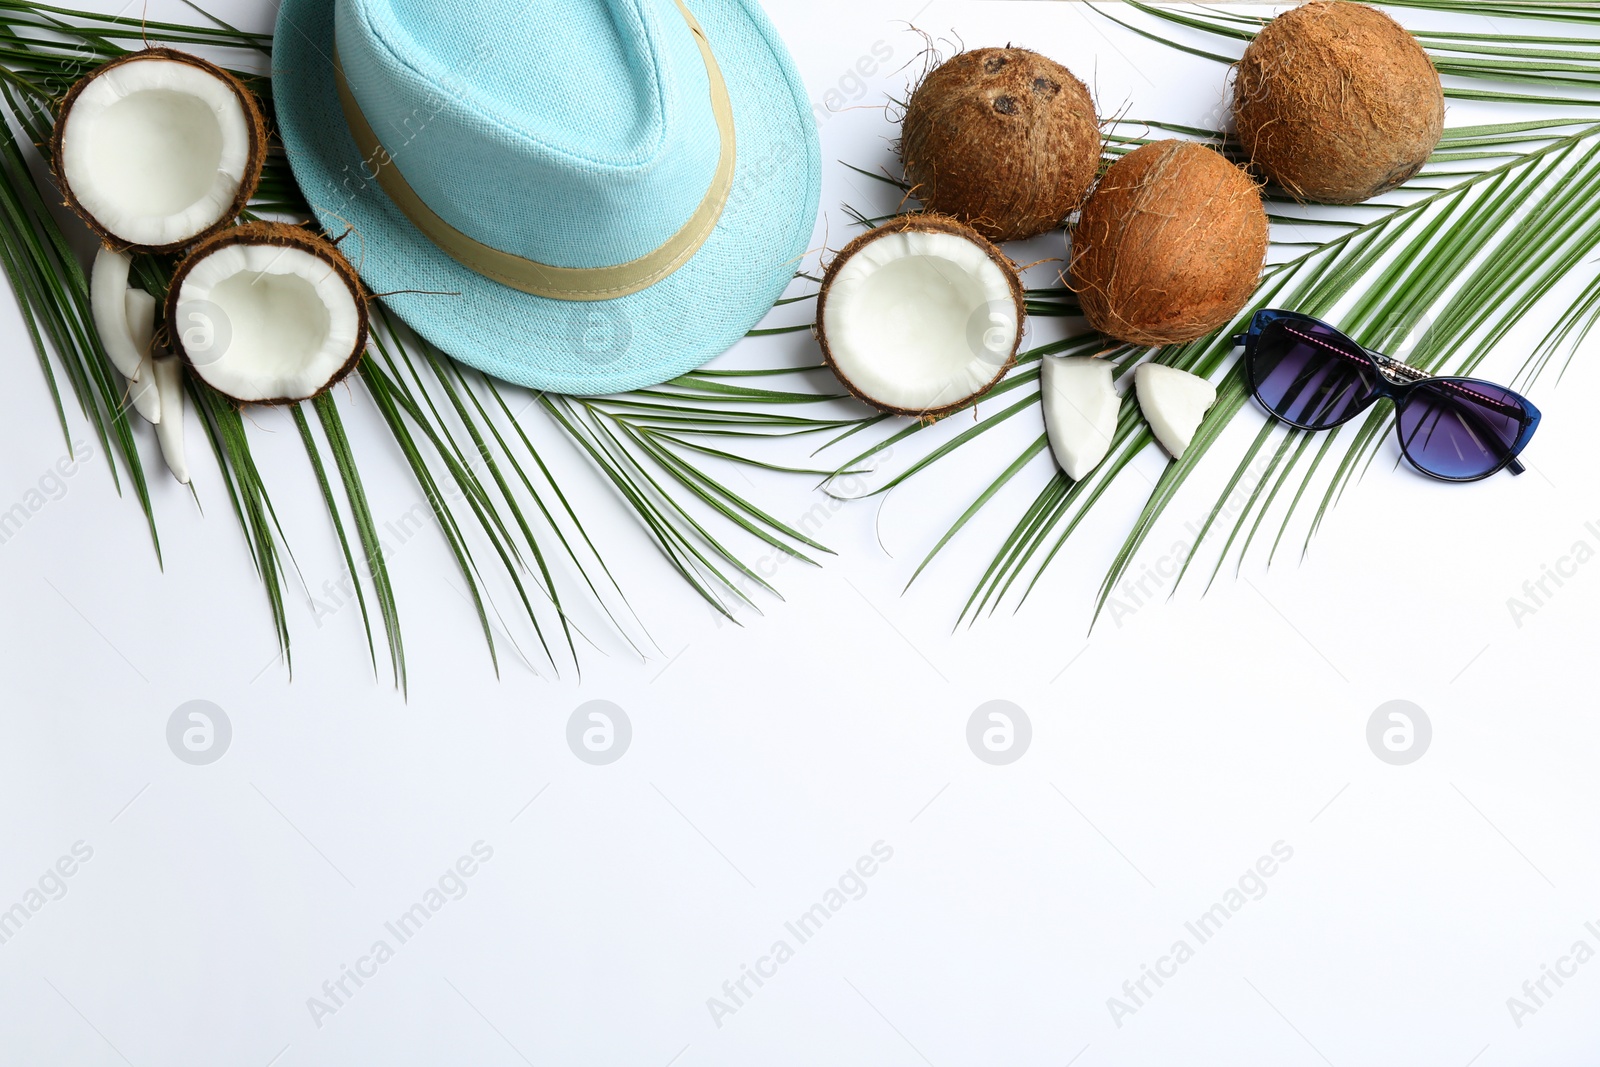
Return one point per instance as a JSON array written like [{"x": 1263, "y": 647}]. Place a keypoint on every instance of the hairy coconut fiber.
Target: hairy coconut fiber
[
  {"x": 1170, "y": 246},
  {"x": 1336, "y": 103},
  {"x": 254, "y": 119},
  {"x": 279, "y": 235},
  {"x": 1002, "y": 138},
  {"x": 926, "y": 223}
]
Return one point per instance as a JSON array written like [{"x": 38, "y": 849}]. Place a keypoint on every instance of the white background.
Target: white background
[{"x": 1168, "y": 754}]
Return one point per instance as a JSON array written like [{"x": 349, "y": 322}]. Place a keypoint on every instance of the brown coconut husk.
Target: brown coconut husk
[
  {"x": 279, "y": 235},
  {"x": 1170, "y": 246},
  {"x": 925, "y": 223},
  {"x": 1337, "y": 103},
  {"x": 1003, "y": 139},
  {"x": 254, "y": 119}
]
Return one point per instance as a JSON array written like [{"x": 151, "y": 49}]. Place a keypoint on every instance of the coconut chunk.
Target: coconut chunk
[
  {"x": 267, "y": 313},
  {"x": 920, "y": 316},
  {"x": 159, "y": 148},
  {"x": 142, "y": 391},
  {"x": 108, "y": 303},
  {"x": 1175, "y": 402},
  {"x": 1080, "y": 410},
  {"x": 168, "y": 374}
]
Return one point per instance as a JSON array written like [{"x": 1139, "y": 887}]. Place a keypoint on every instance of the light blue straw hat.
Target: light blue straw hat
[{"x": 583, "y": 196}]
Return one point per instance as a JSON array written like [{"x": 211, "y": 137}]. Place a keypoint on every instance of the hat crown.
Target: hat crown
[{"x": 577, "y": 137}]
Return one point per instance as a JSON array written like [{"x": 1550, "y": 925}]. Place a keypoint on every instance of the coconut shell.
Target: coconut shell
[
  {"x": 280, "y": 235},
  {"x": 255, "y": 120},
  {"x": 1170, "y": 246},
  {"x": 1003, "y": 139},
  {"x": 926, "y": 223},
  {"x": 1336, "y": 103}
]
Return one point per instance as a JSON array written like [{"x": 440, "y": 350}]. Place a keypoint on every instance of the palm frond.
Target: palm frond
[
  {"x": 464, "y": 438},
  {"x": 1468, "y": 249}
]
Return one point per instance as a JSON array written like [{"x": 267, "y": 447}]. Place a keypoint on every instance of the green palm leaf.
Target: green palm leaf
[
  {"x": 464, "y": 438},
  {"x": 1471, "y": 247}
]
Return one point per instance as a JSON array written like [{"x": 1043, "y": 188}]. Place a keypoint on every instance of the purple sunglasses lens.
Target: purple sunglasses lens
[
  {"x": 1460, "y": 429},
  {"x": 1307, "y": 374}
]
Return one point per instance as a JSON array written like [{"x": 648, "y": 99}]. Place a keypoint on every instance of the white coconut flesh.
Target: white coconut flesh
[
  {"x": 155, "y": 150},
  {"x": 1080, "y": 410},
  {"x": 108, "y": 303},
  {"x": 920, "y": 321},
  {"x": 1174, "y": 402},
  {"x": 142, "y": 391},
  {"x": 267, "y": 322},
  {"x": 168, "y": 374}
]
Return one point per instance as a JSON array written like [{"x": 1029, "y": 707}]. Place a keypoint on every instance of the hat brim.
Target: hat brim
[{"x": 585, "y": 348}]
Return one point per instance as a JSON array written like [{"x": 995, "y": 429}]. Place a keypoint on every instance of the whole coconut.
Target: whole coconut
[
  {"x": 1170, "y": 246},
  {"x": 1337, "y": 103},
  {"x": 1002, "y": 138}
]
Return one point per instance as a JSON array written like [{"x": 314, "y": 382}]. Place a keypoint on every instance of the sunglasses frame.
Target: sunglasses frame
[{"x": 1394, "y": 380}]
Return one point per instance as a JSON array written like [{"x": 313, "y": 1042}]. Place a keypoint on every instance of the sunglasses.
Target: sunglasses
[{"x": 1311, "y": 376}]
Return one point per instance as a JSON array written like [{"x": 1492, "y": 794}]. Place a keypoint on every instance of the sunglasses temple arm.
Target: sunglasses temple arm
[{"x": 1515, "y": 466}]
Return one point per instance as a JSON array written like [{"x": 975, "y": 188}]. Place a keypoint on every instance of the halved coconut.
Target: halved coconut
[
  {"x": 267, "y": 313},
  {"x": 920, "y": 316},
  {"x": 158, "y": 149}
]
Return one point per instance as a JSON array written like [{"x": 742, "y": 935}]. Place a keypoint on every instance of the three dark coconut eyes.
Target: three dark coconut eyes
[{"x": 1007, "y": 105}]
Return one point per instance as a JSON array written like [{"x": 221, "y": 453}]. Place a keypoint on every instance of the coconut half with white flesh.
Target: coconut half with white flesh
[
  {"x": 1080, "y": 410},
  {"x": 1174, "y": 402},
  {"x": 267, "y": 313},
  {"x": 157, "y": 149},
  {"x": 920, "y": 316}
]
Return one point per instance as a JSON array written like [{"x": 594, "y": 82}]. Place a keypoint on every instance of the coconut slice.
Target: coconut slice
[
  {"x": 1080, "y": 410},
  {"x": 1174, "y": 402},
  {"x": 168, "y": 374},
  {"x": 142, "y": 391},
  {"x": 267, "y": 313},
  {"x": 159, "y": 148},
  {"x": 108, "y": 303},
  {"x": 920, "y": 316}
]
